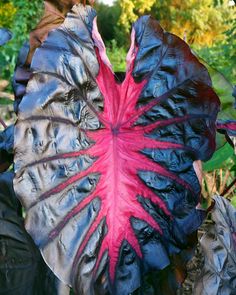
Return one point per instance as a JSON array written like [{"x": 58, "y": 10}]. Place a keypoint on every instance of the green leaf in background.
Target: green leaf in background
[
  {"x": 5, "y": 101},
  {"x": 221, "y": 155},
  {"x": 233, "y": 169},
  {"x": 233, "y": 201}
]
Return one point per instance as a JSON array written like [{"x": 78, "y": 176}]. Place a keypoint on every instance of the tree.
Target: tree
[
  {"x": 199, "y": 22},
  {"x": 222, "y": 55},
  {"x": 7, "y": 13},
  {"x": 131, "y": 9},
  {"x": 108, "y": 17}
]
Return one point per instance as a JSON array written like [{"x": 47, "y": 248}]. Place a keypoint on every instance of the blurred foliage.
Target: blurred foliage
[
  {"x": 222, "y": 55},
  {"x": 117, "y": 56},
  {"x": 131, "y": 9},
  {"x": 233, "y": 201},
  {"x": 108, "y": 24},
  {"x": 107, "y": 20},
  {"x": 7, "y": 13},
  {"x": 199, "y": 22},
  {"x": 21, "y": 22}
]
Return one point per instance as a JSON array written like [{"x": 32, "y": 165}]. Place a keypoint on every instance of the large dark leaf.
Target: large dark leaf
[
  {"x": 218, "y": 276},
  {"x": 22, "y": 270},
  {"x": 105, "y": 170}
]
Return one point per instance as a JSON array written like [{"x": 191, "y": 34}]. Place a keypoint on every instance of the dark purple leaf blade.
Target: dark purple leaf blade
[{"x": 109, "y": 166}]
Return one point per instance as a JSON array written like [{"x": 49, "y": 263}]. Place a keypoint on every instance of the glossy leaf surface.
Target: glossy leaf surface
[
  {"x": 109, "y": 165},
  {"x": 218, "y": 276}
]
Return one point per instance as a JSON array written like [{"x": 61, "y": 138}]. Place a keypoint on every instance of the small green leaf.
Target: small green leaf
[
  {"x": 219, "y": 157},
  {"x": 233, "y": 201}
]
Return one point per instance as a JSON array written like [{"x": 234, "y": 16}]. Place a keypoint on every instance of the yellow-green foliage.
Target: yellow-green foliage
[
  {"x": 130, "y": 9},
  {"x": 7, "y": 13},
  {"x": 201, "y": 23}
]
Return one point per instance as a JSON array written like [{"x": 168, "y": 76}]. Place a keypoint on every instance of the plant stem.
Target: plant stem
[
  {"x": 228, "y": 187},
  {"x": 3, "y": 123}
]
